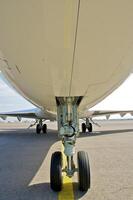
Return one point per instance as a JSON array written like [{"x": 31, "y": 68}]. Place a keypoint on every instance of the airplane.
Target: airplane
[{"x": 65, "y": 57}]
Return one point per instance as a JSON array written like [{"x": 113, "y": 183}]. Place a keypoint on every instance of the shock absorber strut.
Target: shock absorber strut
[{"x": 68, "y": 124}]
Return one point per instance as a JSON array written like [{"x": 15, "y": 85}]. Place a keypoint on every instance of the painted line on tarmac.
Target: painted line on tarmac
[{"x": 67, "y": 190}]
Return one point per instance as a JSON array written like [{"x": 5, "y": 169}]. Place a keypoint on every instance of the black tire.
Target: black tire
[
  {"x": 83, "y": 127},
  {"x": 56, "y": 171},
  {"x": 83, "y": 171},
  {"x": 44, "y": 128},
  {"x": 38, "y": 129},
  {"x": 90, "y": 127}
]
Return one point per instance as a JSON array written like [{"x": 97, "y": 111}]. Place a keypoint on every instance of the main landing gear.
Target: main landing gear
[
  {"x": 68, "y": 132},
  {"x": 41, "y": 127},
  {"x": 87, "y": 125}
]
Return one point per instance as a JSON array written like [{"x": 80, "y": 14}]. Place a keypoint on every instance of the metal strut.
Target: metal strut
[{"x": 68, "y": 125}]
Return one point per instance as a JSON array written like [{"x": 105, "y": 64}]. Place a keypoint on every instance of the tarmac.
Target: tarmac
[{"x": 25, "y": 162}]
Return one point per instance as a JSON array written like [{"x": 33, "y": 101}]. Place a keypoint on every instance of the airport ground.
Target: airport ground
[{"x": 25, "y": 161}]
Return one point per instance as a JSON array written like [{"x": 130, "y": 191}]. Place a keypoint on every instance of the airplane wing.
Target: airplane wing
[
  {"x": 20, "y": 114},
  {"x": 108, "y": 113},
  {"x": 35, "y": 113},
  {"x": 39, "y": 114}
]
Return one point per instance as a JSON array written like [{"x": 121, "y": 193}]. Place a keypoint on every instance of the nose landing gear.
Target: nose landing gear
[
  {"x": 56, "y": 170},
  {"x": 83, "y": 170},
  {"x": 68, "y": 132}
]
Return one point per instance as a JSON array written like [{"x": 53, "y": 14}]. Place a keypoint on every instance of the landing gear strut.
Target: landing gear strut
[
  {"x": 41, "y": 127},
  {"x": 68, "y": 131}
]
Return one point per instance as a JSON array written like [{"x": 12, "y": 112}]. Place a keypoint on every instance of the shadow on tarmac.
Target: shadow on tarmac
[
  {"x": 22, "y": 152},
  {"x": 77, "y": 193},
  {"x": 107, "y": 132},
  {"x": 39, "y": 190}
]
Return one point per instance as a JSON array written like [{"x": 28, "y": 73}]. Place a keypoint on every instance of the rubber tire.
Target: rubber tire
[
  {"x": 90, "y": 127},
  {"x": 83, "y": 127},
  {"x": 38, "y": 129},
  {"x": 56, "y": 171},
  {"x": 44, "y": 128},
  {"x": 83, "y": 171}
]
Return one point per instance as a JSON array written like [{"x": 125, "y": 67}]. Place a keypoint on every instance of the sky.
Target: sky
[
  {"x": 120, "y": 99},
  {"x": 10, "y": 100}
]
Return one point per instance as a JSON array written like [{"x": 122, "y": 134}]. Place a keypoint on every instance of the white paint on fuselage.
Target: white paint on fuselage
[{"x": 37, "y": 41}]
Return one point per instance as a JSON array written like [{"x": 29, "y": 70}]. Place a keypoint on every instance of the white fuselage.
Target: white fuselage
[{"x": 66, "y": 48}]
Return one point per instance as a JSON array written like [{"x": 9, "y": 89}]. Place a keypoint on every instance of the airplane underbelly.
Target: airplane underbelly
[{"x": 66, "y": 48}]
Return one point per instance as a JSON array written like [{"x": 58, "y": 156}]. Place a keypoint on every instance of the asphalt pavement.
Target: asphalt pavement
[{"x": 25, "y": 161}]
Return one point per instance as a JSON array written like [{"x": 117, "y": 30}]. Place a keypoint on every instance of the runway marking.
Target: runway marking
[{"x": 67, "y": 191}]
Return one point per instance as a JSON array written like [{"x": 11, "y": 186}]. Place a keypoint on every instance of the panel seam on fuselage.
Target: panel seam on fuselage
[{"x": 74, "y": 50}]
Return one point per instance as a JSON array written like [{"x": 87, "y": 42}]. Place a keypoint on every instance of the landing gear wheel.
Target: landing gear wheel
[
  {"x": 56, "y": 171},
  {"x": 38, "y": 129},
  {"x": 90, "y": 127},
  {"x": 83, "y": 127},
  {"x": 44, "y": 128},
  {"x": 83, "y": 171}
]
